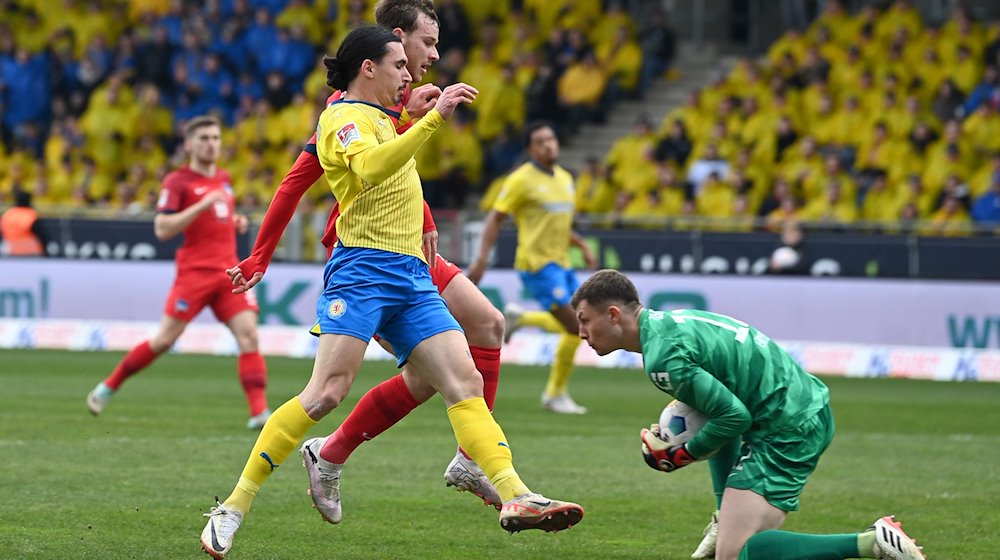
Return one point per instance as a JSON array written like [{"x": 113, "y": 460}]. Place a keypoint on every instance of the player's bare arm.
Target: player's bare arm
[
  {"x": 168, "y": 226},
  {"x": 491, "y": 230}
]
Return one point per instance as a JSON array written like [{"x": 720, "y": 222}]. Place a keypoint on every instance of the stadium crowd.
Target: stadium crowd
[
  {"x": 868, "y": 117},
  {"x": 93, "y": 93}
]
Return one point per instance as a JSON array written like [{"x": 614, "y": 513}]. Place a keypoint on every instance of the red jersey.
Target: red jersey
[{"x": 211, "y": 238}]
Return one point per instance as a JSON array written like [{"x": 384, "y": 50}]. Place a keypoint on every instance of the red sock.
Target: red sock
[
  {"x": 380, "y": 408},
  {"x": 253, "y": 377},
  {"x": 136, "y": 359},
  {"x": 488, "y": 363}
]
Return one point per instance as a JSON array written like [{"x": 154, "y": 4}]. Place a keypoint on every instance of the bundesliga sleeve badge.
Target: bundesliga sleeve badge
[{"x": 347, "y": 134}]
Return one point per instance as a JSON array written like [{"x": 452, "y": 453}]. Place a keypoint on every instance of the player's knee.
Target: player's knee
[
  {"x": 247, "y": 341},
  {"x": 419, "y": 389},
  {"x": 487, "y": 329}
]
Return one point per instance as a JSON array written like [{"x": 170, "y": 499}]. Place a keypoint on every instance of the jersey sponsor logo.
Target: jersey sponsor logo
[
  {"x": 558, "y": 207},
  {"x": 337, "y": 308},
  {"x": 200, "y": 190},
  {"x": 348, "y": 133}
]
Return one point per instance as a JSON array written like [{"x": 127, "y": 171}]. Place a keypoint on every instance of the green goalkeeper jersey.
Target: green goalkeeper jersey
[{"x": 731, "y": 372}]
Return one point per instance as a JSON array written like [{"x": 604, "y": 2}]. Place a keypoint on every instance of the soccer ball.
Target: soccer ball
[{"x": 679, "y": 423}]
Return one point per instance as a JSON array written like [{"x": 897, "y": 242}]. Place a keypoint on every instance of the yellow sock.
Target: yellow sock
[
  {"x": 541, "y": 319},
  {"x": 562, "y": 365},
  {"x": 282, "y": 432},
  {"x": 481, "y": 437}
]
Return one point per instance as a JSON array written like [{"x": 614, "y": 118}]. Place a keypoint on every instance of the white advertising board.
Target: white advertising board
[{"x": 867, "y": 311}]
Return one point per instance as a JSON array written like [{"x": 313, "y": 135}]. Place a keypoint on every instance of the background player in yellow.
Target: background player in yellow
[
  {"x": 377, "y": 281},
  {"x": 540, "y": 196}
]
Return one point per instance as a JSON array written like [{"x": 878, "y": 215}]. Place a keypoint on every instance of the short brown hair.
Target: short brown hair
[
  {"x": 193, "y": 124},
  {"x": 403, "y": 13},
  {"x": 607, "y": 287}
]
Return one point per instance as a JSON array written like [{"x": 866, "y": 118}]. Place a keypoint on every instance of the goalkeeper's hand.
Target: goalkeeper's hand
[{"x": 659, "y": 454}]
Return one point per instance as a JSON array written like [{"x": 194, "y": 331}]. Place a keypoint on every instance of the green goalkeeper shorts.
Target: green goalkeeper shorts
[{"x": 777, "y": 465}]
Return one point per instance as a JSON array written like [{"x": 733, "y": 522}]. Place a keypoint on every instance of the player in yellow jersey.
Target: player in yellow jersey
[
  {"x": 540, "y": 196},
  {"x": 377, "y": 281}
]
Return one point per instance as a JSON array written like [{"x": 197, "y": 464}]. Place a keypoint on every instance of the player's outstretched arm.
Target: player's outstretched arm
[
  {"x": 304, "y": 173},
  {"x": 167, "y": 226},
  {"x": 491, "y": 230},
  {"x": 376, "y": 163}
]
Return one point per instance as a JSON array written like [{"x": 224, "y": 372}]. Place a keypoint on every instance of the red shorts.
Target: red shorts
[
  {"x": 442, "y": 273},
  {"x": 193, "y": 291}
]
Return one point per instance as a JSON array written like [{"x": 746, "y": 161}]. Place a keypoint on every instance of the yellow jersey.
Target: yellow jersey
[
  {"x": 372, "y": 173},
  {"x": 542, "y": 205}
]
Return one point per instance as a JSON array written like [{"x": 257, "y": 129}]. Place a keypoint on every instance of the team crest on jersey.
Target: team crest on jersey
[
  {"x": 558, "y": 292},
  {"x": 228, "y": 188},
  {"x": 337, "y": 308},
  {"x": 181, "y": 306},
  {"x": 347, "y": 134}
]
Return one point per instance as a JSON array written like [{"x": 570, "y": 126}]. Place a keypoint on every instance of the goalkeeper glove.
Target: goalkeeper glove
[{"x": 660, "y": 455}]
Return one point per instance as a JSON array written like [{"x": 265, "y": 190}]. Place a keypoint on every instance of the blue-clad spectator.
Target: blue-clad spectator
[
  {"x": 26, "y": 93},
  {"x": 190, "y": 56},
  {"x": 273, "y": 6},
  {"x": 277, "y": 56},
  {"x": 230, "y": 46},
  {"x": 215, "y": 86},
  {"x": 249, "y": 85},
  {"x": 985, "y": 92},
  {"x": 302, "y": 55},
  {"x": 260, "y": 35},
  {"x": 173, "y": 22},
  {"x": 986, "y": 209}
]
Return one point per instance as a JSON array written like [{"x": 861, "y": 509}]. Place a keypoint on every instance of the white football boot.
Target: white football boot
[
  {"x": 217, "y": 538},
  {"x": 891, "y": 543},
  {"x": 98, "y": 398},
  {"x": 511, "y": 320},
  {"x": 465, "y": 475},
  {"x": 324, "y": 480},
  {"x": 706, "y": 549},
  {"x": 562, "y": 404}
]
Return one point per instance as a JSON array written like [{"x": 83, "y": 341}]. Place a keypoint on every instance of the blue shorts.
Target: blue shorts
[
  {"x": 369, "y": 291},
  {"x": 552, "y": 286}
]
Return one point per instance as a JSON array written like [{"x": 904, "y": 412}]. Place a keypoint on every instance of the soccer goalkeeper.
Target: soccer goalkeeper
[{"x": 768, "y": 421}]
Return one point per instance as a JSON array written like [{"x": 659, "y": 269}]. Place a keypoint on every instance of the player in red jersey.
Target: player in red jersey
[
  {"x": 197, "y": 200},
  {"x": 387, "y": 403}
]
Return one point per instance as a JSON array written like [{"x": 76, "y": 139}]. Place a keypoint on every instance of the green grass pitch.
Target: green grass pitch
[{"x": 134, "y": 482}]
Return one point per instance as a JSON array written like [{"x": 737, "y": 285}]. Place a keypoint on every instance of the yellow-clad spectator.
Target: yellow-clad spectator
[
  {"x": 984, "y": 178},
  {"x": 478, "y": 11},
  {"x": 901, "y": 15},
  {"x": 756, "y": 124},
  {"x": 792, "y": 42},
  {"x": 581, "y": 87},
  {"x": 622, "y": 59},
  {"x": 61, "y": 181},
  {"x": 912, "y": 192},
  {"x": 982, "y": 130},
  {"x": 689, "y": 113},
  {"x": 499, "y": 108},
  {"x": 715, "y": 197},
  {"x": 951, "y": 220},
  {"x": 484, "y": 71},
  {"x": 630, "y": 152},
  {"x": 939, "y": 169},
  {"x": 823, "y": 125},
  {"x": 853, "y": 125},
  {"x": 148, "y": 116},
  {"x": 833, "y": 207},
  {"x": 138, "y": 8},
  {"x": 594, "y": 193},
  {"x": 461, "y": 149},
  {"x": 148, "y": 152},
  {"x": 90, "y": 184},
  {"x": 800, "y": 162},
  {"x": 501, "y": 51},
  {"x": 814, "y": 185},
  {"x": 837, "y": 20},
  {"x": 845, "y": 78},
  {"x": 608, "y": 24},
  {"x": 966, "y": 69},
  {"x": 299, "y": 13},
  {"x": 788, "y": 210},
  {"x": 882, "y": 152},
  {"x": 880, "y": 203}
]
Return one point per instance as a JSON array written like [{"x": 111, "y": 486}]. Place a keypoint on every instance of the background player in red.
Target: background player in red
[
  {"x": 197, "y": 200},
  {"x": 415, "y": 22}
]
